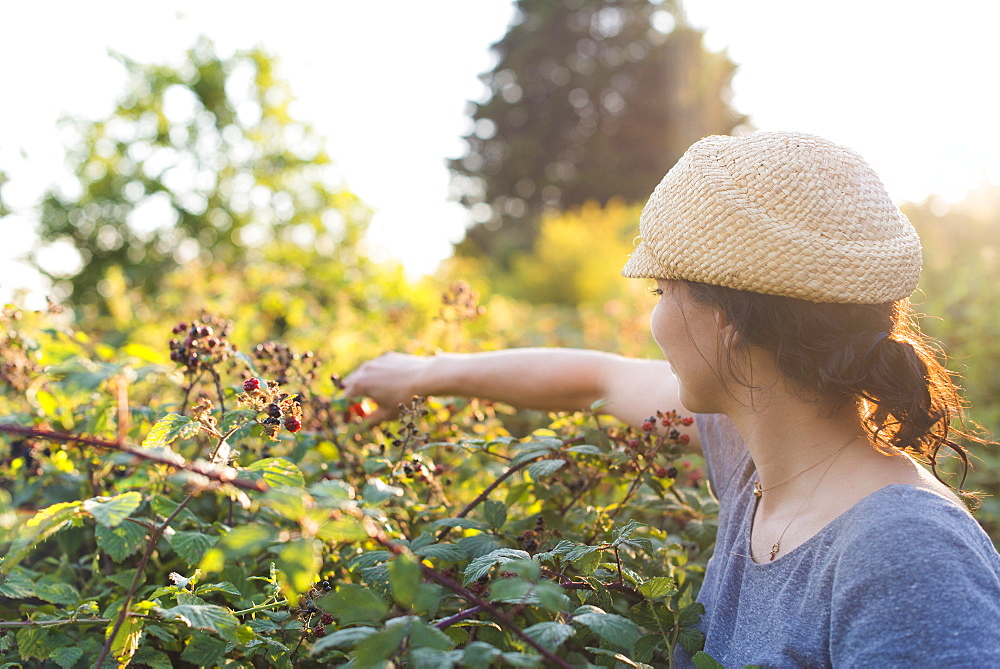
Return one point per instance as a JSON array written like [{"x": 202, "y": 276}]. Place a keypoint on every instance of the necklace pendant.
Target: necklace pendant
[
  {"x": 757, "y": 490},
  {"x": 774, "y": 550}
]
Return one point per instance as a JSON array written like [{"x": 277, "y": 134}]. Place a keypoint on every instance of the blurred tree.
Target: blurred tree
[
  {"x": 589, "y": 99},
  {"x": 4, "y": 209},
  {"x": 962, "y": 257},
  {"x": 197, "y": 163}
]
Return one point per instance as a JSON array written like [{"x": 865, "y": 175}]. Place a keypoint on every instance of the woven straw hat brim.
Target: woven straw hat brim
[{"x": 781, "y": 214}]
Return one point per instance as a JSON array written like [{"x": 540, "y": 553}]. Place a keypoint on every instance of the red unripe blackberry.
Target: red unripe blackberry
[
  {"x": 251, "y": 384},
  {"x": 293, "y": 424}
]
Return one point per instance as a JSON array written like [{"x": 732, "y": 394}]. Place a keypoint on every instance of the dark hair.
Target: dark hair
[{"x": 871, "y": 354}]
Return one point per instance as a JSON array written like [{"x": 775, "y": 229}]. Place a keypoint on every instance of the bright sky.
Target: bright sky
[{"x": 908, "y": 83}]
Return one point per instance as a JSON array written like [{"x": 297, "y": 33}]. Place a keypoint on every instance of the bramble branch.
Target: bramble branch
[{"x": 220, "y": 475}]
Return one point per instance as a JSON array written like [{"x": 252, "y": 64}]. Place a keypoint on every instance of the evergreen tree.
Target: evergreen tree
[{"x": 589, "y": 100}]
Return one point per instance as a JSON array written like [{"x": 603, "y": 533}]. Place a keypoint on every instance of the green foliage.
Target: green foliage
[
  {"x": 199, "y": 162},
  {"x": 171, "y": 531},
  {"x": 588, "y": 101}
]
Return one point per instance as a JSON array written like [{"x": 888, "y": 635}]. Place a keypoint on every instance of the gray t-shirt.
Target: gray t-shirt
[{"x": 905, "y": 578}]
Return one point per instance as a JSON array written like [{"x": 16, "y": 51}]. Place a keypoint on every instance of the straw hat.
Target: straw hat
[{"x": 780, "y": 213}]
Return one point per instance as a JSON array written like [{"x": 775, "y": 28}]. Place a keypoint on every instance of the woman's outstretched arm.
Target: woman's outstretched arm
[{"x": 548, "y": 379}]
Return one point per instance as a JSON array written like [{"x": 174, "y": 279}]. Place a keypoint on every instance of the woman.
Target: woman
[{"x": 783, "y": 271}]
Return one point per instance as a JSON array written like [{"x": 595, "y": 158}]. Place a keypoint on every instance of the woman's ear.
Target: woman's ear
[{"x": 728, "y": 334}]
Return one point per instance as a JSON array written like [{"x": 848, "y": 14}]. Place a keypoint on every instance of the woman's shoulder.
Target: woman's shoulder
[{"x": 913, "y": 523}]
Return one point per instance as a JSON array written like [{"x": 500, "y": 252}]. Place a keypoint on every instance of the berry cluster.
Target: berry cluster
[
  {"x": 17, "y": 360},
  {"x": 460, "y": 303},
  {"x": 410, "y": 434},
  {"x": 281, "y": 363},
  {"x": 307, "y": 610},
  {"x": 282, "y": 409},
  {"x": 206, "y": 343}
]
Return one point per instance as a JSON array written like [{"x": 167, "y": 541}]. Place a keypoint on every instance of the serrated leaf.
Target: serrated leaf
[
  {"x": 344, "y": 638},
  {"x": 151, "y": 658},
  {"x": 513, "y": 590},
  {"x": 690, "y": 614},
  {"x": 479, "y": 545},
  {"x": 191, "y": 546},
  {"x": 222, "y": 586},
  {"x": 551, "y": 635},
  {"x": 66, "y": 656},
  {"x": 126, "y": 640},
  {"x": 204, "y": 651},
  {"x": 276, "y": 472},
  {"x": 533, "y": 454},
  {"x": 298, "y": 561},
  {"x": 703, "y": 660},
  {"x": 658, "y": 587},
  {"x": 647, "y": 645},
  {"x": 481, "y": 566},
  {"x": 404, "y": 575},
  {"x": 543, "y": 468},
  {"x": 39, "y": 527},
  {"x": 241, "y": 420},
  {"x": 463, "y": 523},
  {"x": 613, "y": 628},
  {"x": 122, "y": 541},
  {"x": 111, "y": 511},
  {"x": 430, "y": 658},
  {"x": 690, "y": 639},
  {"x": 354, "y": 604},
  {"x": 423, "y": 635},
  {"x": 601, "y": 592},
  {"x": 379, "y": 646},
  {"x": 207, "y": 617},
  {"x": 57, "y": 592},
  {"x": 377, "y": 491},
  {"x": 480, "y": 654},
  {"x": 585, "y": 449},
  {"x": 625, "y": 532},
  {"x": 17, "y": 584},
  {"x": 170, "y": 428},
  {"x": 32, "y": 643},
  {"x": 445, "y": 552},
  {"x": 618, "y": 657},
  {"x": 495, "y": 513},
  {"x": 369, "y": 559},
  {"x": 236, "y": 543}
]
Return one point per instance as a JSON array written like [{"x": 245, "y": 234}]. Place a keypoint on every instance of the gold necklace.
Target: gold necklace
[
  {"x": 773, "y": 553},
  {"x": 759, "y": 490}
]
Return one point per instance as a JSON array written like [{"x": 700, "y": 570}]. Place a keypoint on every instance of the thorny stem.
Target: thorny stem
[
  {"x": 137, "y": 579},
  {"x": 498, "y": 615},
  {"x": 618, "y": 561},
  {"x": 216, "y": 474},
  {"x": 445, "y": 623},
  {"x": 486, "y": 493},
  {"x": 260, "y": 607},
  {"x": 218, "y": 389},
  {"x": 60, "y": 623}
]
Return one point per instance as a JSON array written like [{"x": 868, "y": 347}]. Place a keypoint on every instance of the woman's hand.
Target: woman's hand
[{"x": 390, "y": 379}]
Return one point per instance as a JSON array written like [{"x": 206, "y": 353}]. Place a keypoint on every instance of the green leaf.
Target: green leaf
[
  {"x": 57, "y": 592},
  {"x": 625, "y": 532},
  {"x": 242, "y": 420},
  {"x": 353, "y": 605},
  {"x": 222, "y": 586},
  {"x": 17, "y": 584},
  {"x": 204, "y": 651},
  {"x": 658, "y": 587},
  {"x": 618, "y": 657},
  {"x": 585, "y": 449},
  {"x": 299, "y": 563},
  {"x": 543, "y": 468},
  {"x": 551, "y": 635},
  {"x": 479, "y": 545},
  {"x": 191, "y": 546},
  {"x": 203, "y": 617},
  {"x": 369, "y": 559},
  {"x": 423, "y": 635},
  {"x": 404, "y": 576},
  {"x": 690, "y": 639},
  {"x": 611, "y": 627},
  {"x": 39, "y": 527},
  {"x": 429, "y": 658},
  {"x": 481, "y": 566},
  {"x": 703, "y": 660},
  {"x": 32, "y": 643},
  {"x": 690, "y": 614},
  {"x": 111, "y": 511},
  {"x": 66, "y": 656},
  {"x": 513, "y": 590},
  {"x": 332, "y": 493},
  {"x": 379, "y": 646},
  {"x": 152, "y": 658},
  {"x": 235, "y": 544},
  {"x": 495, "y": 513},
  {"x": 377, "y": 491},
  {"x": 444, "y": 552},
  {"x": 480, "y": 654},
  {"x": 345, "y": 529},
  {"x": 277, "y": 472},
  {"x": 122, "y": 541},
  {"x": 126, "y": 640},
  {"x": 463, "y": 523},
  {"x": 169, "y": 428},
  {"x": 344, "y": 638},
  {"x": 647, "y": 645}
]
